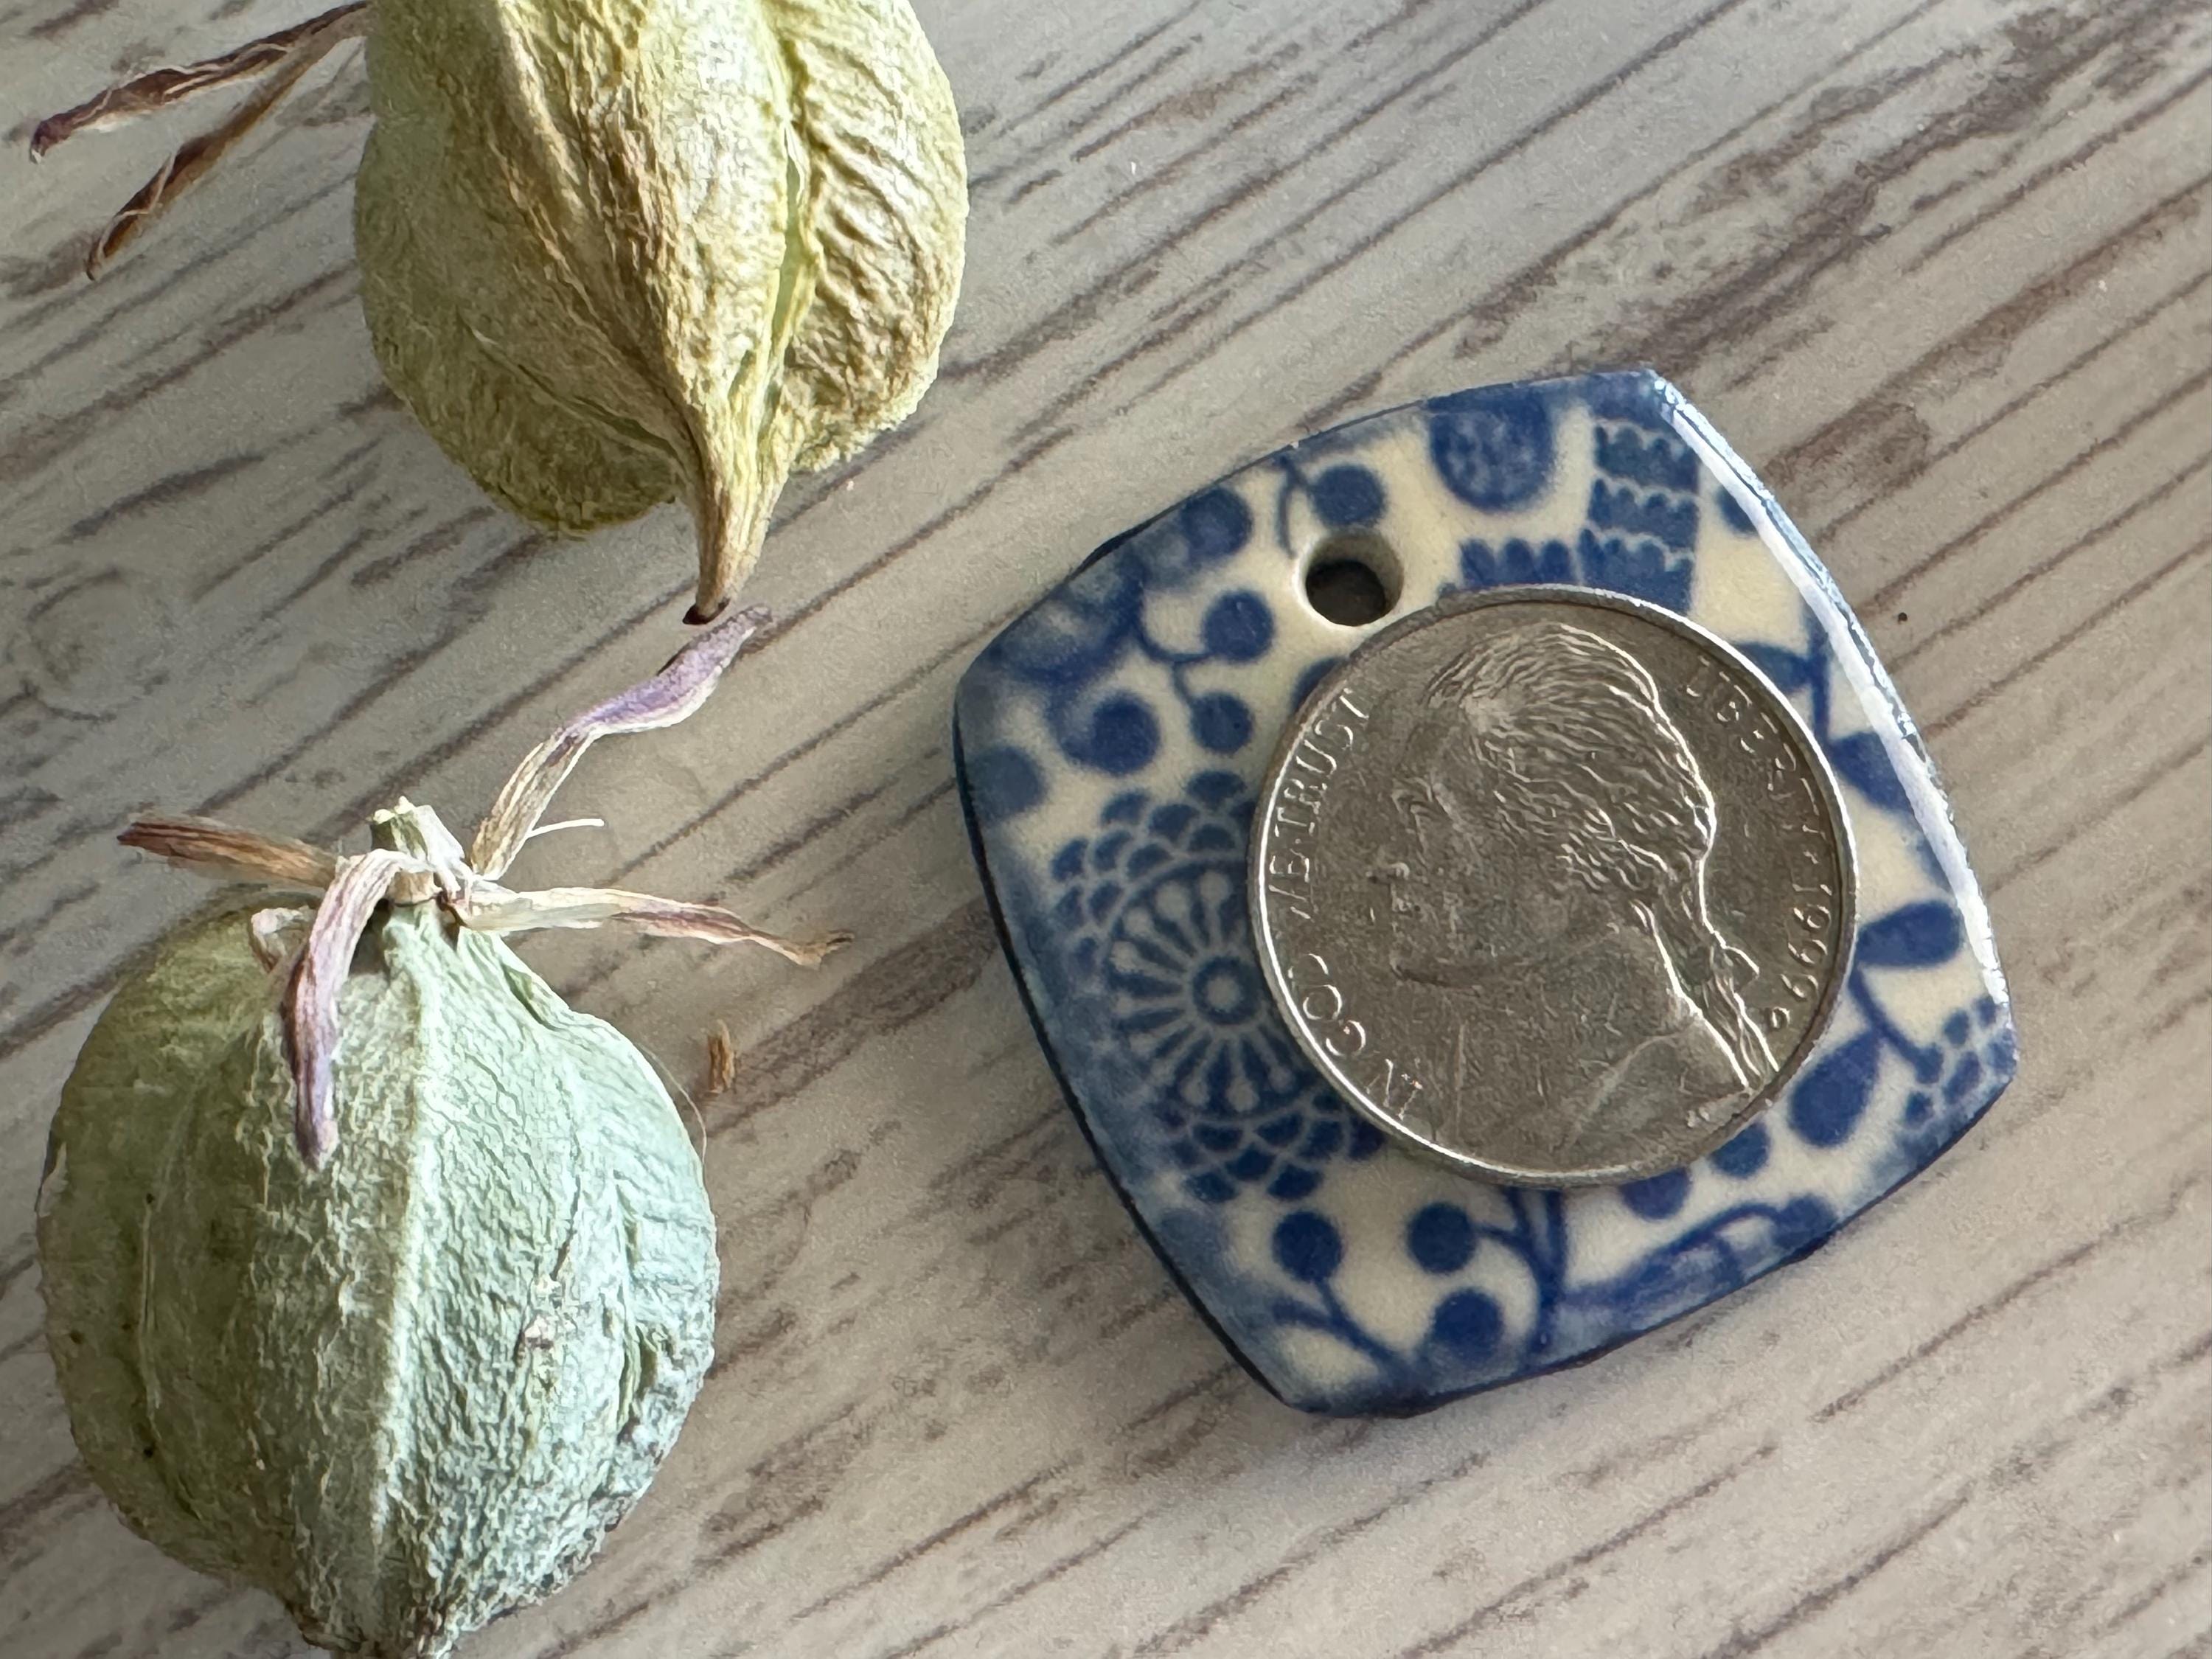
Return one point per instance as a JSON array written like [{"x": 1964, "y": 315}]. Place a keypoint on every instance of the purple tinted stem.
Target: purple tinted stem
[{"x": 674, "y": 694}]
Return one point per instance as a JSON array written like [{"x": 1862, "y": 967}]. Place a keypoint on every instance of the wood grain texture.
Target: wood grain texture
[{"x": 1942, "y": 271}]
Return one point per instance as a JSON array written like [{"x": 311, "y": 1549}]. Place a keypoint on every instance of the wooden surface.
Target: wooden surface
[{"x": 1939, "y": 270}]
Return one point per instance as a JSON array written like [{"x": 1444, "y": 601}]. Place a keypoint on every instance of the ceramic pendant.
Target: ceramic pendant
[{"x": 1112, "y": 742}]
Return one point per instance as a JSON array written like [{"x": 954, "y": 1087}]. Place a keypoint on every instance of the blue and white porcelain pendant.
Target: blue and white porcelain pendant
[{"x": 1109, "y": 744}]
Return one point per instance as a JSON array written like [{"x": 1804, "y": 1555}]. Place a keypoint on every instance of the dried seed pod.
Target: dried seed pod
[
  {"x": 615, "y": 253},
  {"x": 413, "y": 1389},
  {"x": 375, "y": 1275}
]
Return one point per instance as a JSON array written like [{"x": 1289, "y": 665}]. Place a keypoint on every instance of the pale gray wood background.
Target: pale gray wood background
[{"x": 1940, "y": 270}]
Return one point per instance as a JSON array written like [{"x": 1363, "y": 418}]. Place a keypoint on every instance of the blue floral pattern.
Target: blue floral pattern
[
  {"x": 1641, "y": 525},
  {"x": 1110, "y": 743}
]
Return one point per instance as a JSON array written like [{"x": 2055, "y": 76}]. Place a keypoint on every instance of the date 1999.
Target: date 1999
[{"x": 1792, "y": 793}]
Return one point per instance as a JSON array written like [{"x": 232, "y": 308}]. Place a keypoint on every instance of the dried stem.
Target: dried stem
[
  {"x": 721, "y": 1060},
  {"x": 683, "y": 682},
  {"x": 283, "y": 57},
  {"x": 220, "y": 849},
  {"x": 566, "y": 824},
  {"x": 157, "y": 89}
]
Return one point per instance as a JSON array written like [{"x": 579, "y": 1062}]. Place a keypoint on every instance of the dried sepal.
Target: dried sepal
[
  {"x": 488, "y": 908},
  {"x": 685, "y": 682},
  {"x": 221, "y": 849},
  {"x": 437, "y": 866},
  {"x": 311, "y": 1001},
  {"x": 276, "y": 932},
  {"x": 416, "y": 860}
]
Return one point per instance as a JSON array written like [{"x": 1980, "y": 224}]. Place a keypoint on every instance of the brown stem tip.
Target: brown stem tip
[{"x": 277, "y": 60}]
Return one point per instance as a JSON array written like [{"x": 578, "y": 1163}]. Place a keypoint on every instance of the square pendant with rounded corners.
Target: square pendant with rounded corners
[{"x": 1110, "y": 742}]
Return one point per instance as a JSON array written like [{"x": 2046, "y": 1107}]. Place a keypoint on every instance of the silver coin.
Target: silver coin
[{"x": 1553, "y": 885}]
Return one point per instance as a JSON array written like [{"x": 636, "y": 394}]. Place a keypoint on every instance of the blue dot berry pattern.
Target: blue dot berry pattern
[
  {"x": 1348, "y": 496},
  {"x": 1745, "y": 1155},
  {"x": 1216, "y": 525},
  {"x": 1239, "y": 628},
  {"x": 1440, "y": 1238},
  {"x": 1468, "y": 1324},
  {"x": 1121, "y": 736},
  {"x": 1493, "y": 448},
  {"x": 1079, "y": 638},
  {"x": 1308, "y": 1247},
  {"x": 1220, "y": 722},
  {"x": 1656, "y": 1197},
  {"x": 1110, "y": 742},
  {"x": 1003, "y": 783}
]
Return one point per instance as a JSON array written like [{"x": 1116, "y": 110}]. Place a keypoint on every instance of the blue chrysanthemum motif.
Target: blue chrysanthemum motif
[{"x": 1158, "y": 893}]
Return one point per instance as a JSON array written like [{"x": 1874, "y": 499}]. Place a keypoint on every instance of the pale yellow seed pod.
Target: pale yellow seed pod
[
  {"x": 617, "y": 253},
  {"x": 621, "y": 252}
]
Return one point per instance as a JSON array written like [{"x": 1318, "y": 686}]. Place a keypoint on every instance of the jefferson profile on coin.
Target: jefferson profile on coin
[{"x": 1547, "y": 868}]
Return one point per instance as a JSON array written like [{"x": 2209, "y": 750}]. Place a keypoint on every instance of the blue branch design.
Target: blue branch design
[
  {"x": 1331, "y": 1318},
  {"x": 1927, "y": 1063}
]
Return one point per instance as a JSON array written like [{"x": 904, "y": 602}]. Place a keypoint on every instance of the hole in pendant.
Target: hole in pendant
[{"x": 1353, "y": 579}]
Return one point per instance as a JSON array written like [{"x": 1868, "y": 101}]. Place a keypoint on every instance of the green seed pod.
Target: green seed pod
[
  {"x": 375, "y": 1275},
  {"x": 412, "y": 1389},
  {"x": 618, "y": 253}
]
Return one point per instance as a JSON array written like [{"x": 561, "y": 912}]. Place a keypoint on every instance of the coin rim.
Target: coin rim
[{"x": 1461, "y": 1162}]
